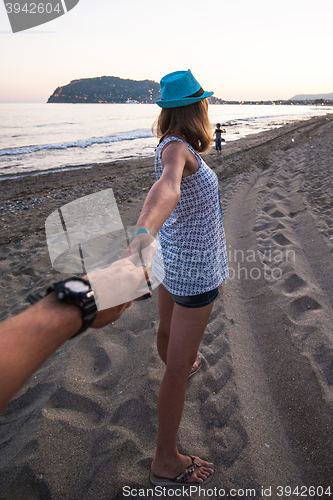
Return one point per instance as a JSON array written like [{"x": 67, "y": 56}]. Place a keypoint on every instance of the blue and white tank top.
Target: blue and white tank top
[{"x": 191, "y": 255}]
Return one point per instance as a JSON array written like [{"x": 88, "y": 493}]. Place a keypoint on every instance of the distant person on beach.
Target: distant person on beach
[
  {"x": 183, "y": 205},
  {"x": 28, "y": 339},
  {"x": 218, "y": 138}
]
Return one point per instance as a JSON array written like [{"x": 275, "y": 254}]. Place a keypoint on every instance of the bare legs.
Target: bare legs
[
  {"x": 179, "y": 336},
  {"x": 166, "y": 306}
]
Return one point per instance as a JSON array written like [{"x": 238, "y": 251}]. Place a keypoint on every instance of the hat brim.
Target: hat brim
[{"x": 184, "y": 101}]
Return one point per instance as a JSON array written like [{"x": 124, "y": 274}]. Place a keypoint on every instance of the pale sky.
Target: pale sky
[{"x": 240, "y": 49}]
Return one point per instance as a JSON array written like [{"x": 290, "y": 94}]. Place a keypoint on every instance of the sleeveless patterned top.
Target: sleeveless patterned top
[{"x": 191, "y": 255}]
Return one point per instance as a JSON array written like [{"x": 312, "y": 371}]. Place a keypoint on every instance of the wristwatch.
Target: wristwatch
[{"x": 77, "y": 292}]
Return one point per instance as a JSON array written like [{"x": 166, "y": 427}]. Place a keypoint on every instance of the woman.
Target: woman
[{"x": 190, "y": 262}]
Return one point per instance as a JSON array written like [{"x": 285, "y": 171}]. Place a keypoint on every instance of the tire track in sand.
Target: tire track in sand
[{"x": 280, "y": 302}]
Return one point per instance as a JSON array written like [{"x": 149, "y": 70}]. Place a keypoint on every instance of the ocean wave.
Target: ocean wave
[
  {"x": 43, "y": 125},
  {"x": 122, "y": 136}
]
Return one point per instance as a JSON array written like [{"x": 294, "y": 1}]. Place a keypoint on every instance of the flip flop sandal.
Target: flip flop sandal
[
  {"x": 198, "y": 368},
  {"x": 181, "y": 478}
]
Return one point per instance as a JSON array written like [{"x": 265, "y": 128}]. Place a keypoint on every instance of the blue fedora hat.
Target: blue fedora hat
[{"x": 180, "y": 89}]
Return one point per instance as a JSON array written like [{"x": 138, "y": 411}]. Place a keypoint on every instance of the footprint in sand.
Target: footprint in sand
[
  {"x": 262, "y": 227},
  {"x": 134, "y": 414},
  {"x": 293, "y": 283},
  {"x": 218, "y": 411},
  {"x": 277, "y": 214},
  {"x": 215, "y": 379},
  {"x": 280, "y": 226},
  {"x": 77, "y": 410},
  {"x": 280, "y": 239},
  {"x": 232, "y": 440},
  {"x": 278, "y": 196},
  {"x": 96, "y": 360},
  {"x": 214, "y": 354},
  {"x": 303, "y": 305},
  {"x": 268, "y": 208}
]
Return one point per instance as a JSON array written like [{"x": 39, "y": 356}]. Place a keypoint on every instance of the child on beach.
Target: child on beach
[
  {"x": 218, "y": 140},
  {"x": 190, "y": 262}
]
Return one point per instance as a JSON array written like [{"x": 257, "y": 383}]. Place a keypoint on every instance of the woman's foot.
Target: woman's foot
[
  {"x": 196, "y": 366},
  {"x": 195, "y": 470}
]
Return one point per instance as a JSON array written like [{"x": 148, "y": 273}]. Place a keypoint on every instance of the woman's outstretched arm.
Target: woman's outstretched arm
[{"x": 165, "y": 193}]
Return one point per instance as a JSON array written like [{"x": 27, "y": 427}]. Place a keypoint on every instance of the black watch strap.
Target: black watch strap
[{"x": 85, "y": 301}]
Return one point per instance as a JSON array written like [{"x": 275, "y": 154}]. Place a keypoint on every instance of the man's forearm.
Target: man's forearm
[{"x": 27, "y": 340}]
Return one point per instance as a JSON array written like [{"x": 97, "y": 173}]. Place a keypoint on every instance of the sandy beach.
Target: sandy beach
[{"x": 261, "y": 407}]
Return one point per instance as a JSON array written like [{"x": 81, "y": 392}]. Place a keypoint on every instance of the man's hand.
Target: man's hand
[{"x": 119, "y": 284}]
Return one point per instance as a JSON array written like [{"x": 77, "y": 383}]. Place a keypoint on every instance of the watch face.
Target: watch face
[{"x": 76, "y": 286}]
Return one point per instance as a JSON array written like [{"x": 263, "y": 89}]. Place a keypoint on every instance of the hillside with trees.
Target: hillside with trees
[{"x": 106, "y": 89}]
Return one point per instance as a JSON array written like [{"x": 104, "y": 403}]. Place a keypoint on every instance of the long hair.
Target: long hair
[{"x": 190, "y": 121}]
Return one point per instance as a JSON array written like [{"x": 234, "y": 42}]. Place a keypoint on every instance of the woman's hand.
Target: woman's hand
[
  {"x": 142, "y": 248},
  {"x": 119, "y": 284}
]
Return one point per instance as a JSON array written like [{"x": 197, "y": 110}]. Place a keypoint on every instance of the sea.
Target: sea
[{"x": 40, "y": 138}]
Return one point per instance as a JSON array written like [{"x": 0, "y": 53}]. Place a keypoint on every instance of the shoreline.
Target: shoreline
[
  {"x": 129, "y": 177},
  {"x": 260, "y": 408},
  {"x": 70, "y": 164}
]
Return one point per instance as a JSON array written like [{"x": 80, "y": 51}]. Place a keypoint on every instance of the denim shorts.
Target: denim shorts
[{"x": 195, "y": 301}]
